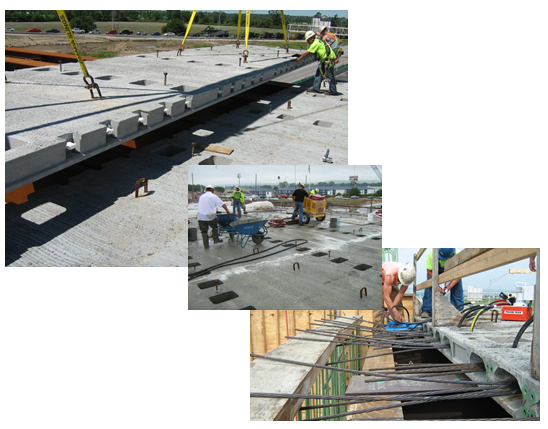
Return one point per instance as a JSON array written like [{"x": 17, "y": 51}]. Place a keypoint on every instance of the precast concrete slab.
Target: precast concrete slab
[
  {"x": 280, "y": 129},
  {"x": 491, "y": 344},
  {"x": 95, "y": 219},
  {"x": 327, "y": 271},
  {"x": 49, "y": 113},
  {"x": 99, "y": 204}
]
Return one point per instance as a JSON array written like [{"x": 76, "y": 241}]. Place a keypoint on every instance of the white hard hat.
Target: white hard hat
[
  {"x": 309, "y": 34},
  {"x": 209, "y": 187},
  {"x": 323, "y": 29},
  {"x": 406, "y": 274},
  {"x": 317, "y": 190}
]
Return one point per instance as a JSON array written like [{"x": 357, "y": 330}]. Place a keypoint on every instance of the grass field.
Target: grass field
[{"x": 149, "y": 27}]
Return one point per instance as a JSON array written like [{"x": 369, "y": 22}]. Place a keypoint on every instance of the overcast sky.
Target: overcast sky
[
  {"x": 226, "y": 175},
  {"x": 505, "y": 283}
]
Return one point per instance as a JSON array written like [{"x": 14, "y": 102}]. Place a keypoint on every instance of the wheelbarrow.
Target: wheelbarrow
[{"x": 243, "y": 230}]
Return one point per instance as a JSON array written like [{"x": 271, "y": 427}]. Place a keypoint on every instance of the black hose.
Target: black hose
[
  {"x": 206, "y": 271},
  {"x": 521, "y": 331},
  {"x": 392, "y": 314},
  {"x": 468, "y": 312}
]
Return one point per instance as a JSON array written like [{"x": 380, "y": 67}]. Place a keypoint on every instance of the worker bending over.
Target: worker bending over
[
  {"x": 457, "y": 295},
  {"x": 396, "y": 277},
  {"x": 326, "y": 66},
  {"x": 207, "y": 215}
]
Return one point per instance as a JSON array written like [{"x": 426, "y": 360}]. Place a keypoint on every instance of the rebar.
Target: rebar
[
  {"x": 393, "y": 376},
  {"x": 483, "y": 394}
]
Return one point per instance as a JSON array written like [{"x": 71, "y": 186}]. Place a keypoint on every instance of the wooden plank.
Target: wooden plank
[
  {"x": 257, "y": 337},
  {"x": 463, "y": 256},
  {"x": 520, "y": 271},
  {"x": 377, "y": 362},
  {"x": 271, "y": 328},
  {"x": 435, "y": 283},
  {"x": 491, "y": 259},
  {"x": 215, "y": 148},
  {"x": 535, "y": 348},
  {"x": 420, "y": 253},
  {"x": 445, "y": 313}
]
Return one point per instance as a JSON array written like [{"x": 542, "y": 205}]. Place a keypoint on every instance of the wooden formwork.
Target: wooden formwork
[{"x": 269, "y": 328}]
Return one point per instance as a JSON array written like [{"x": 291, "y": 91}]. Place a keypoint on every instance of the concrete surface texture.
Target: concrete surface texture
[
  {"x": 30, "y": 244},
  {"x": 334, "y": 265},
  {"x": 491, "y": 343},
  {"x": 95, "y": 220},
  {"x": 46, "y": 108}
]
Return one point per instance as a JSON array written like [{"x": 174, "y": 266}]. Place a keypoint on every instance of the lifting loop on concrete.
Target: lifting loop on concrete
[
  {"x": 363, "y": 289},
  {"x": 182, "y": 47},
  {"x": 257, "y": 250},
  {"x": 496, "y": 314},
  {"x": 298, "y": 266},
  {"x": 70, "y": 36},
  {"x": 138, "y": 184}
]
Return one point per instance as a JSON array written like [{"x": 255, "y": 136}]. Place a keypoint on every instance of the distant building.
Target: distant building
[
  {"x": 334, "y": 190},
  {"x": 474, "y": 293}
]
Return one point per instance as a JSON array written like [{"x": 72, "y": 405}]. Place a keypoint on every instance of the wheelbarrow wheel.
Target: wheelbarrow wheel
[
  {"x": 306, "y": 218},
  {"x": 320, "y": 218},
  {"x": 258, "y": 239}
]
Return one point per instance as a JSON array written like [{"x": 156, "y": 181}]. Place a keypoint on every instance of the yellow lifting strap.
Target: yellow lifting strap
[
  {"x": 247, "y": 24},
  {"x": 191, "y": 20},
  {"x": 285, "y": 32},
  {"x": 91, "y": 85},
  {"x": 239, "y": 27}
]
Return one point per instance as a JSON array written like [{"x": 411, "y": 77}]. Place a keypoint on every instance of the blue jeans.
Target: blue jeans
[
  {"x": 298, "y": 206},
  {"x": 456, "y": 298},
  {"x": 329, "y": 73},
  {"x": 235, "y": 205}
]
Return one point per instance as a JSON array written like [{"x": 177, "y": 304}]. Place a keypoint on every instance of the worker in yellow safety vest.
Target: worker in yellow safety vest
[{"x": 326, "y": 66}]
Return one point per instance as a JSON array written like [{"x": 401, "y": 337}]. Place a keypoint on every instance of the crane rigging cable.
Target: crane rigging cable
[{"x": 88, "y": 79}]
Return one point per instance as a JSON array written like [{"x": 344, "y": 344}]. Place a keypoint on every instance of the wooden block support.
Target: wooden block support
[
  {"x": 214, "y": 148},
  {"x": 445, "y": 313}
]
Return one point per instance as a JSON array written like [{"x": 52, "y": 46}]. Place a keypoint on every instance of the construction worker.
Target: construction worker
[
  {"x": 299, "y": 196},
  {"x": 395, "y": 274},
  {"x": 313, "y": 192},
  {"x": 242, "y": 201},
  {"x": 326, "y": 67},
  {"x": 207, "y": 215},
  {"x": 332, "y": 40},
  {"x": 457, "y": 294},
  {"x": 236, "y": 201}
]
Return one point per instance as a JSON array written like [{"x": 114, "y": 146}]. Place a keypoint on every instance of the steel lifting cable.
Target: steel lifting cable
[
  {"x": 182, "y": 46},
  {"x": 208, "y": 270},
  {"x": 91, "y": 85},
  {"x": 239, "y": 27},
  {"x": 245, "y": 54},
  {"x": 394, "y": 376},
  {"x": 285, "y": 32}
]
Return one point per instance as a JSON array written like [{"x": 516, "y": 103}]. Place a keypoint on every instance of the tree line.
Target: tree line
[{"x": 272, "y": 19}]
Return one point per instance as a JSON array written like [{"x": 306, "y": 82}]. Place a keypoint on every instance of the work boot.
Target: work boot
[
  {"x": 425, "y": 315},
  {"x": 219, "y": 240},
  {"x": 205, "y": 239},
  {"x": 315, "y": 91}
]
